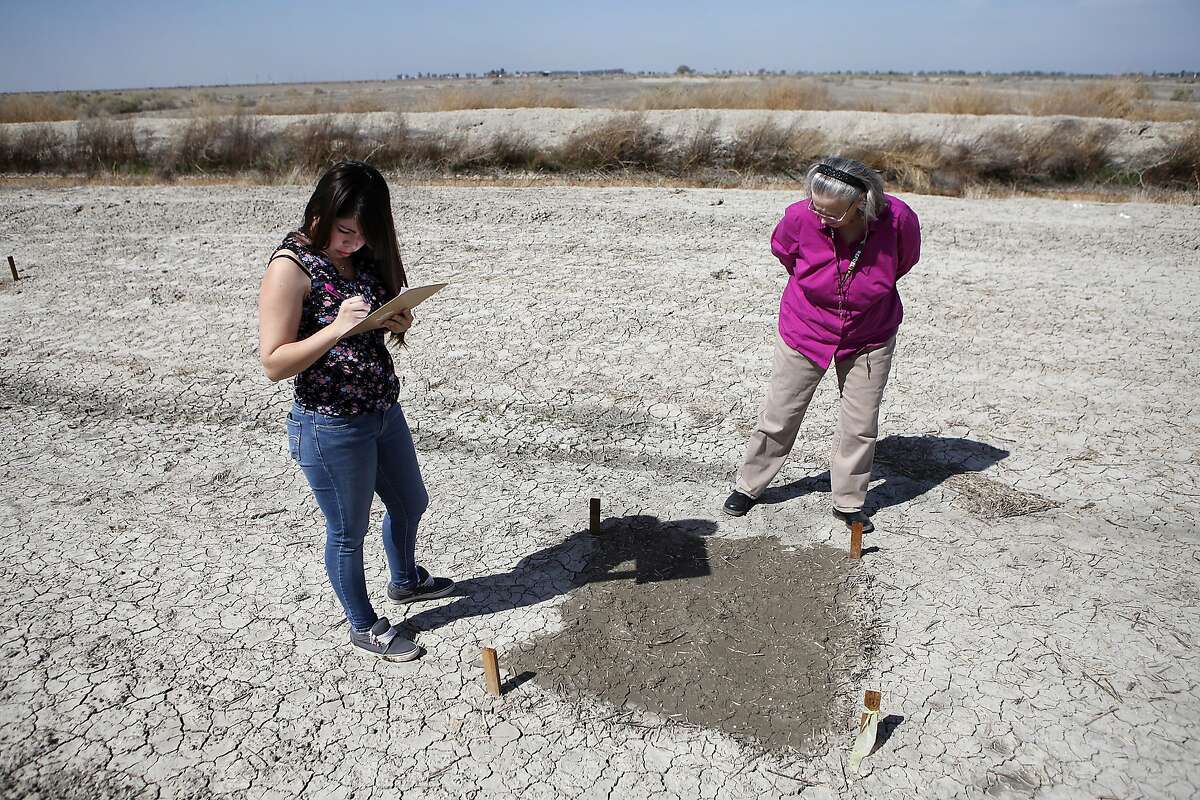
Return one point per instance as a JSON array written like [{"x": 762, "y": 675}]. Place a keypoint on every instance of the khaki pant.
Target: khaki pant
[{"x": 793, "y": 380}]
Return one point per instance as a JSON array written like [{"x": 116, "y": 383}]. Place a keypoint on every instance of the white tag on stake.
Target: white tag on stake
[{"x": 868, "y": 729}]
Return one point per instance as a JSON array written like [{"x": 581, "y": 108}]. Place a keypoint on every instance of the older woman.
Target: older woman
[{"x": 844, "y": 249}]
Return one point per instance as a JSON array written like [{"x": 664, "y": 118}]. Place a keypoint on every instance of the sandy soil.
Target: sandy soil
[{"x": 166, "y": 630}]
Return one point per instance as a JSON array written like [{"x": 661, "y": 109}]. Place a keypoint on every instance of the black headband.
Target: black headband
[{"x": 844, "y": 177}]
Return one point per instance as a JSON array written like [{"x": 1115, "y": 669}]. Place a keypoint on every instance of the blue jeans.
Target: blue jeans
[{"x": 347, "y": 461}]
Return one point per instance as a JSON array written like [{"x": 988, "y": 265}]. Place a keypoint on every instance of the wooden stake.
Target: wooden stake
[
  {"x": 856, "y": 541},
  {"x": 871, "y": 701},
  {"x": 12, "y": 265},
  {"x": 491, "y": 671},
  {"x": 594, "y": 526}
]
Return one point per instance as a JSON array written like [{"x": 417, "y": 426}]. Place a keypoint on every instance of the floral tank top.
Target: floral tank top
[{"x": 356, "y": 375}]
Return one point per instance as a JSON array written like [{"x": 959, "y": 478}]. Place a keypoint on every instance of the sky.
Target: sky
[{"x": 86, "y": 44}]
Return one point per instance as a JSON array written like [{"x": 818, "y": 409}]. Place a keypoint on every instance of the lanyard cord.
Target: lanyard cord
[{"x": 844, "y": 278}]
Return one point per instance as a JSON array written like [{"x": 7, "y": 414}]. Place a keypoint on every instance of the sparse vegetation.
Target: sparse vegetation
[
  {"x": 977, "y": 102},
  {"x": 1179, "y": 167},
  {"x": 1116, "y": 99},
  {"x": 769, "y": 149},
  {"x": 34, "y": 108},
  {"x": 778, "y": 94},
  {"x": 1126, "y": 98},
  {"x": 621, "y": 142},
  {"x": 502, "y": 96},
  {"x": 1068, "y": 154}
]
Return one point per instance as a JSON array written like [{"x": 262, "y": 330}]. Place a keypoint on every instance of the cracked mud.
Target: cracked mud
[{"x": 166, "y": 630}]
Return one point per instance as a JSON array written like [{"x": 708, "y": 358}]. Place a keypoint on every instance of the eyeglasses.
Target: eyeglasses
[{"x": 829, "y": 218}]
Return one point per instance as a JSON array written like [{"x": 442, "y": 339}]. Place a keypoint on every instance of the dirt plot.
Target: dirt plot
[
  {"x": 1028, "y": 605},
  {"x": 744, "y": 635}
]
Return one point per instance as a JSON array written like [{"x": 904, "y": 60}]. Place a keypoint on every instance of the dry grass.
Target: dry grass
[
  {"x": 1066, "y": 158},
  {"x": 34, "y": 108},
  {"x": 1061, "y": 155},
  {"x": 218, "y": 144},
  {"x": 475, "y": 97},
  {"x": 915, "y": 165},
  {"x": 778, "y": 94},
  {"x": 1066, "y": 154},
  {"x": 697, "y": 149},
  {"x": 991, "y": 499},
  {"x": 37, "y": 148},
  {"x": 621, "y": 142},
  {"x": 103, "y": 145},
  {"x": 972, "y": 101},
  {"x": 1115, "y": 99},
  {"x": 296, "y": 104},
  {"x": 1179, "y": 167},
  {"x": 767, "y": 148}
]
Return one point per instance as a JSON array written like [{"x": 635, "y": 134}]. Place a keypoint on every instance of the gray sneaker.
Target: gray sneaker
[
  {"x": 384, "y": 641},
  {"x": 428, "y": 588}
]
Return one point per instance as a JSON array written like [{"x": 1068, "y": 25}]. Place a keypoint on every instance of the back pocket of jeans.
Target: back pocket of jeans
[{"x": 293, "y": 434}]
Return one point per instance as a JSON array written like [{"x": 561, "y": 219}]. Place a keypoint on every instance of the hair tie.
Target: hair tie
[{"x": 844, "y": 177}]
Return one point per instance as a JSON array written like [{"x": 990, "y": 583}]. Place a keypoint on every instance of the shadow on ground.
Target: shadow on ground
[
  {"x": 747, "y": 636},
  {"x": 910, "y": 466}
]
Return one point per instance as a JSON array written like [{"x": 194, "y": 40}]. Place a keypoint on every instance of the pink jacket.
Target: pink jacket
[{"x": 808, "y": 312}]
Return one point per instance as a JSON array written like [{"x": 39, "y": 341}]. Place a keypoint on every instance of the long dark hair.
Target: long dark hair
[{"x": 355, "y": 189}]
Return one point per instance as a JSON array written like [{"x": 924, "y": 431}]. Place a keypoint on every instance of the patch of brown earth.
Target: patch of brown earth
[{"x": 747, "y": 636}]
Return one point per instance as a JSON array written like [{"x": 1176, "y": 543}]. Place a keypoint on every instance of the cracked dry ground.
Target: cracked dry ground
[{"x": 1031, "y": 598}]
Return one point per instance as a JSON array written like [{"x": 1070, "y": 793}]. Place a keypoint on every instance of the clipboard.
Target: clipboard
[{"x": 408, "y": 298}]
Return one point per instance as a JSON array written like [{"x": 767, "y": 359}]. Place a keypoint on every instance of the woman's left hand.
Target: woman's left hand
[{"x": 399, "y": 323}]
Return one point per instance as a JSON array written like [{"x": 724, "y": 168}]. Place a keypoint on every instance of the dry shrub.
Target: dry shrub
[
  {"x": 37, "y": 148},
  {"x": 977, "y": 102},
  {"x": 1115, "y": 99},
  {"x": 121, "y": 103},
  {"x": 398, "y": 146},
  {"x": 698, "y": 149},
  {"x": 319, "y": 143},
  {"x": 766, "y": 148},
  {"x": 476, "y": 97},
  {"x": 513, "y": 150},
  {"x": 231, "y": 143},
  {"x": 785, "y": 95},
  {"x": 1066, "y": 152},
  {"x": 913, "y": 164},
  {"x": 623, "y": 141},
  {"x": 101, "y": 145},
  {"x": 1179, "y": 166},
  {"x": 34, "y": 108}
]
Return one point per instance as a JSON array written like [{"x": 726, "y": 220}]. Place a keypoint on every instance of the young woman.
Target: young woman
[
  {"x": 345, "y": 428},
  {"x": 844, "y": 248}
]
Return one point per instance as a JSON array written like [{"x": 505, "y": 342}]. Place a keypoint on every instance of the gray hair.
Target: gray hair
[{"x": 815, "y": 182}]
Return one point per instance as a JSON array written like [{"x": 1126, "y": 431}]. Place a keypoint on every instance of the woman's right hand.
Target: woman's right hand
[{"x": 352, "y": 311}]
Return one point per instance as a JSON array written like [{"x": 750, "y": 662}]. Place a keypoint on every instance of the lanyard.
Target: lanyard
[{"x": 843, "y": 278}]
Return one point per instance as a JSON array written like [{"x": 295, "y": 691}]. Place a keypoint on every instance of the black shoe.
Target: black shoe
[
  {"x": 384, "y": 641},
  {"x": 737, "y": 504},
  {"x": 427, "y": 588},
  {"x": 851, "y": 517}
]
